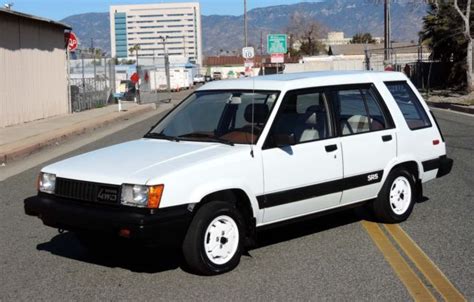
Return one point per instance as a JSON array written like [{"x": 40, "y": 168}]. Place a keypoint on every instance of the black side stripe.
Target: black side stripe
[{"x": 325, "y": 188}]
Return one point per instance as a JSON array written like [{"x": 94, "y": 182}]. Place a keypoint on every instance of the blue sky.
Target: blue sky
[{"x": 59, "y": 9}]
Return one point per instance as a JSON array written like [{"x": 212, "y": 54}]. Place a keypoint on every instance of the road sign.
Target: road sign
[
  {"x": 277, "y": 58},
  {"x": 71, "y": 40},
  {"x": 249, "y": 63},
  {"x": 134, "y": 78},
  {"x": 248, "y": 52},
  {"x": 276, "y": 43}
]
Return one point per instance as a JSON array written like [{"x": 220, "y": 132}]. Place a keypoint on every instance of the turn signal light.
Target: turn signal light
[{"x": 154, "y": 196}]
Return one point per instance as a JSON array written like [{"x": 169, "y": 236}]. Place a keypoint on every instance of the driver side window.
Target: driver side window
[{"x": 303, "y": 117}]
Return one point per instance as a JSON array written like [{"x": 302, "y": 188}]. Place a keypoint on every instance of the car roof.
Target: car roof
[{"x": 298, "y": 80}]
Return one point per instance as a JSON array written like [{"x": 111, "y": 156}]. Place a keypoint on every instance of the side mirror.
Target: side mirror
[{"x": 283, "y": 140}]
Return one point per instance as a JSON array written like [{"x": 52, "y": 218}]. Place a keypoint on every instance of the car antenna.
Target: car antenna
[{"x": 253, "y": 117}]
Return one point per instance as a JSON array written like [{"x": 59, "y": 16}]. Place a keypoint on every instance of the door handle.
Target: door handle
[
  {"x": 387, "y": 138},
  {"x": 330, "y": 148}
]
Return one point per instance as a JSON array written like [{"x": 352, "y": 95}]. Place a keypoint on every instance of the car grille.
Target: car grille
[{"x": 87, "y": 191}]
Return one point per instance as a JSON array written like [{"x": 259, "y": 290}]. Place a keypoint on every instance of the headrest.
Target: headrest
[
  {"x": 311, "y": 119},
  {"x": 261, "y": 112}
]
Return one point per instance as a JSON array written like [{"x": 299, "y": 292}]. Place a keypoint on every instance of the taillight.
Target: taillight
[{"x": 436, "y": 142}]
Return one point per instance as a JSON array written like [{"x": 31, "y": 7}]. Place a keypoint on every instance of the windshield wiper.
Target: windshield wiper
[
  {"x": 207, "y": 137},
  {"x": 161, "y": 136}
]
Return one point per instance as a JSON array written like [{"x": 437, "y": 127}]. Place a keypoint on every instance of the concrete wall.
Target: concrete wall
[{"x": 33, "y": 77}]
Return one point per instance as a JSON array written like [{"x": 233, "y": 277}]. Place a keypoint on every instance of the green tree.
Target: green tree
[
  {"x": 444, "y": 31},
  {"x": 362, "y": 38}
]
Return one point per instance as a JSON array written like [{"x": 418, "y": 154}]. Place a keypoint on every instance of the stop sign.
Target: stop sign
[
  {"x": 71, "y": 40},
  {"x": 134, "y": 78}
]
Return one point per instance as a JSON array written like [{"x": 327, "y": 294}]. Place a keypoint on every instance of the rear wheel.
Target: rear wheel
[
  {"x": 396, "y": 198},
  {"x": 213, "y": 243}
]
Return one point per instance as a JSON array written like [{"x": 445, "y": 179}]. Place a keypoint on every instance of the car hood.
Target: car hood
[{"x": 136, "y": 161}]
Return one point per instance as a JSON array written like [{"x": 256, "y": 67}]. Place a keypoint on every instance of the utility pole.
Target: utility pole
[
  {"x": 167, "y": 66},
  {"x": 245, "y": 24},
  {"x": 138, "y": 73},
  {"x": 387, "y": 29}
]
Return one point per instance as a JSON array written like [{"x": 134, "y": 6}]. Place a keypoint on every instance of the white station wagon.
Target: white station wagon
[{"x": 237, "y": 156}]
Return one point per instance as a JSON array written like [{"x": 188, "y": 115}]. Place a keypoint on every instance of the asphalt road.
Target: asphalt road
[{"x": 330, "y": 258}]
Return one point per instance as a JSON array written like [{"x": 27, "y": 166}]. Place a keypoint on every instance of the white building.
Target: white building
[{"x": 171, "y": 27}]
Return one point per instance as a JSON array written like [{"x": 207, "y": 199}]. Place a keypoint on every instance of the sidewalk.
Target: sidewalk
[
  {"x": 21, "y": 140},
  {"x": 446, "y": 99}
]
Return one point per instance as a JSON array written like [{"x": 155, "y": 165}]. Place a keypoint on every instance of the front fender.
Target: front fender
[{"x": 201, "y": 191}]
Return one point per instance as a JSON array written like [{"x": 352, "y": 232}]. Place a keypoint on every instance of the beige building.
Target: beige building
[
  {"x": 176, "y": 26},
  {"x": 33, "y": 75},
  {"x": 337, "y": 38}
]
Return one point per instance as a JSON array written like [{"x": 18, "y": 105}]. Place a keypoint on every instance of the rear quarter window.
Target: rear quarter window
[{"x": 411, "y": 108}]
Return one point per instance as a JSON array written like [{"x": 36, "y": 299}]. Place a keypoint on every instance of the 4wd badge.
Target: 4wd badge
[{"x": 107, "y": 194}]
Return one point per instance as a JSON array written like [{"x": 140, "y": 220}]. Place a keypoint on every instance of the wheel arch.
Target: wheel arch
[
  {"x": 243, "y": 203},
  {"x": 412, "y": 166}
]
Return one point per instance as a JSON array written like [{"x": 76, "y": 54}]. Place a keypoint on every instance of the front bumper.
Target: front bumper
[{"x": 163, "y": 226}]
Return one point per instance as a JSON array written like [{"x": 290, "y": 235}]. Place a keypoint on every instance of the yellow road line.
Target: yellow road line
[
  {"x": 424, "y": 264},
  {"x": 412, "y": 282}
]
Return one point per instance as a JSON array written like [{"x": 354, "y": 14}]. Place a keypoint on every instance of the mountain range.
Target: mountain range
[{"x": 225, "y": 33}]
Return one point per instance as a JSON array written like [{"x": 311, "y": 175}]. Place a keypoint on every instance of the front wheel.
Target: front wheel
[
  {"x": 213, "y": 243},
  {"x": 396, "y": 198}
]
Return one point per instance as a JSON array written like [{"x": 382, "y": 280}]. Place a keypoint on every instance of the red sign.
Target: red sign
[
  {"x": 134, "y": 78},
  {"x": 277, "y": 58},
  {"x": 71, "y": 40}
]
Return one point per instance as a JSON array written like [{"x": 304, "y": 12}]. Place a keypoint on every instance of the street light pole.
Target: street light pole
[
  {"x": 245, "y": 24},
  {"x": 387, "y": 29}
]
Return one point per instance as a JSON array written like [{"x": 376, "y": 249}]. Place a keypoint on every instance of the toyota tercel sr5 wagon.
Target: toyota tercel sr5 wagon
[{"x": 240, "y": 155}]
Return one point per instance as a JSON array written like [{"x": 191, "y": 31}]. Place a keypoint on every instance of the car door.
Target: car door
[
  {"x": 368, "y": 139},
  {"x": 301, "y": 158}
]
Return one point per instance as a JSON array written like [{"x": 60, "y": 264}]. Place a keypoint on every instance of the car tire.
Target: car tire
[
  {"x": 396, "y": 199},
  {"x": 213, "y": 242}
]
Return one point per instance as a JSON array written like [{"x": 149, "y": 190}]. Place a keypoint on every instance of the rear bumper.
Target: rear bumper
[
  {"x": 164, "y": 227},
  {"x": 442, "y": 163}
]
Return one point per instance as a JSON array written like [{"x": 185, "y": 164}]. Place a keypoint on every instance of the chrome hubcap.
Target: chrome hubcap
[
  {"x": 400, "y": 195},
  {"x": 221, "y": 239}
]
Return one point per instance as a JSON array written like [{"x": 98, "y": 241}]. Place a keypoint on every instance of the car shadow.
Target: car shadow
[{"x": 134, "y": 258}]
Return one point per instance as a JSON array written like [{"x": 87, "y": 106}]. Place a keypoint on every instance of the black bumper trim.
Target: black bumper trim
[
  {"x": 442, "y": 163},
  {"x": 165, "y": 226}
]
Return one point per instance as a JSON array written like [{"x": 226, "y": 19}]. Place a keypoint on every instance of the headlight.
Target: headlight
[
  {"x": 47, "y": 183},
  {"x": 142, "y": 196}
]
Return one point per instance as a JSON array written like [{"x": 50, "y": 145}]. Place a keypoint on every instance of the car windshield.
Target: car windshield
[{"x": 230, "y": 117}]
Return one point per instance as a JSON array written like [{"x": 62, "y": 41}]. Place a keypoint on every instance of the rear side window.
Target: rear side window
[
  {"x": 409, "y": 105},
  {"x": 358, "y": 111}
]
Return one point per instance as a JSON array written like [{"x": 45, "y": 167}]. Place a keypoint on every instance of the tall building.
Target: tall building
[{"x": 171, "y": 27}]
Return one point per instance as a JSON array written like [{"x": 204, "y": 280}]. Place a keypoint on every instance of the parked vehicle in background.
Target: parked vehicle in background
[
  {"x": 239, "y": 156},
  {"x": 199, "y": 79},
  {"x": 127, "y": 91},
  {"x": 217, "y": 75},
  {"x": 207, "y": 78}
]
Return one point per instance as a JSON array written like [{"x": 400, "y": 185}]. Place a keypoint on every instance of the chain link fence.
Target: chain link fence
[
  {"x": 413, "y": 60},
  {"x": 92, "y": 82}
]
